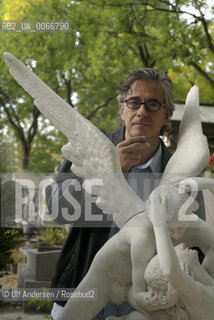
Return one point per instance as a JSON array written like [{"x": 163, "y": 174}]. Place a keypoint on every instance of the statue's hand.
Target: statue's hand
[
  {"x": 156, "y": 207},
  {"x": 186, "y": 268}
]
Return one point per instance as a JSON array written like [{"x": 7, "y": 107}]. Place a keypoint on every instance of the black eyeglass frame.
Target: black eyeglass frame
[{"x": 146, "y": 104}]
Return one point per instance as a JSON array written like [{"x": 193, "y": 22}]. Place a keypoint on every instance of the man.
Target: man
[{"x": 146, "y": 104}]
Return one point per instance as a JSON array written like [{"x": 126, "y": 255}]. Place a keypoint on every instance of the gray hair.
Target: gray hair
[{"x": 148, "y": 74}]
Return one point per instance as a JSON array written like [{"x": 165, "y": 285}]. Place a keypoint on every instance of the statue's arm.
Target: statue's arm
[
  {"x": 190, "y": 290},
  {"x": 142, "y": 250}
]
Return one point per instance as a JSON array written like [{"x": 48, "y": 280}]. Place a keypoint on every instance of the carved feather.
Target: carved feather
[{"x": 93, "y": 155}]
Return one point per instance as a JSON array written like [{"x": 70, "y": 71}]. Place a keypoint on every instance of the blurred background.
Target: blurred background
[{"x": 98, "y": 44}]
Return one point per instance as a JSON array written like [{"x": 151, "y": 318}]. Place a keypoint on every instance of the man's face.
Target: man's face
[{"x": 142, "y": 122}]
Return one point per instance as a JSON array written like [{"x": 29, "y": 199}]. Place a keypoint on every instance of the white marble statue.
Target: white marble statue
[
  {"x": 193, "y": 283},
  {"x": 117, "y": 271}
]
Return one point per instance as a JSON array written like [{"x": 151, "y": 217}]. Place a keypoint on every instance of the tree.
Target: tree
[
  {"x": 9, "y": 237},
  {"x": 107, "y": 40}
]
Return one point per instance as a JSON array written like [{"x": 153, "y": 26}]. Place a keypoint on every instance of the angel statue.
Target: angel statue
[{"x": 119, "y": 269}]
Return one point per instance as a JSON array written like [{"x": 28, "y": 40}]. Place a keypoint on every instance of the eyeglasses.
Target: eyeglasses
[{"x": 151, "y": 105}]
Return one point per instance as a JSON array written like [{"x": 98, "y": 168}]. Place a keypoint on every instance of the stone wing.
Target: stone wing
[{"x": 93, "y": 155}]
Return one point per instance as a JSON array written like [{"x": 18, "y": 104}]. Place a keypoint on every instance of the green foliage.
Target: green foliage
[
  {"x": 46, "y": 159},
  {"x": 54, "y": 236},
  {"x": 107, "y": 40},
  {"x": 42, "y": 304},
  {"x": 8, "y": 161},
  {"x": 9, "y": 239}
]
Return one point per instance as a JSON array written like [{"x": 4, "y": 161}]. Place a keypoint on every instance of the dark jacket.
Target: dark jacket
[{"x": 84, "y": 240}]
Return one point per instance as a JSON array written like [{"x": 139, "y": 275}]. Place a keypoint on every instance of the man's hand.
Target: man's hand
[{"x": 131, "y": 152}]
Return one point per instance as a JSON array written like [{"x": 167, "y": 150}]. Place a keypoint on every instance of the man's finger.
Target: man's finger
[
  {"x": 129, "y": 141},
  {"x": 134, "y": 147}
]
